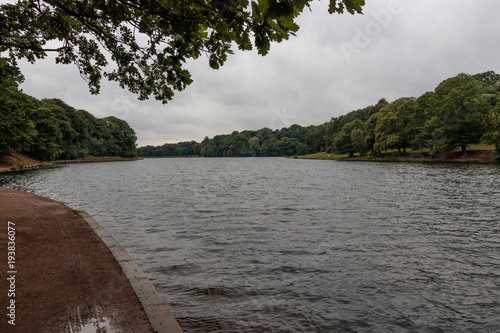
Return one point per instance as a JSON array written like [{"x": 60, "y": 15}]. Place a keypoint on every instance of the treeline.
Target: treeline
[
  {"x": 461, "y": 110},
  {"x": 49, "y": 129},
  {"x": 293, "y": 140}
]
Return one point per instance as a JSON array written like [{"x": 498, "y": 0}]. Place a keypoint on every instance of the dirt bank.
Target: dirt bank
[
  {"x": 97, "y": 159},
  {"x": 19, "y": 160}
]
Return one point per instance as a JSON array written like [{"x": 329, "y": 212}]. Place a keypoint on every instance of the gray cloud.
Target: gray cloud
[{"x": 307, "y": 79}]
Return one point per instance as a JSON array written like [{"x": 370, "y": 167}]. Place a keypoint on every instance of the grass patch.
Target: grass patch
[
  {"x": 325, "y": 156},
  {"x": 393, "y": 154},
  {"x": 17, "y": 167},
  {"x": 479, "y": 146}
]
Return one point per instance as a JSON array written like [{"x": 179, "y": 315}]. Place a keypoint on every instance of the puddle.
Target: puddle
[
  {"x": 88, "y": 320},
  {"x": 95, "y": 326}
]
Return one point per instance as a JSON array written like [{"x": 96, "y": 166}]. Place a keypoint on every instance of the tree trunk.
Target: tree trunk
[
  {"x": 464, "y": 151},
  {"x": 399, "y": 152},
  {"x": 404, "y": 150}
]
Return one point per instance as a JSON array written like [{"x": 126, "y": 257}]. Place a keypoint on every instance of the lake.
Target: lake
[{"x": 284, "y": 245}]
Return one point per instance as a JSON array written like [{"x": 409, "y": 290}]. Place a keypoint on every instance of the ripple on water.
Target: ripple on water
[{"x": 275, "y": 245}]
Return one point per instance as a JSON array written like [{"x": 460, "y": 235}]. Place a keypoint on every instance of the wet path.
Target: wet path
[{"x": 63, "y": 278}]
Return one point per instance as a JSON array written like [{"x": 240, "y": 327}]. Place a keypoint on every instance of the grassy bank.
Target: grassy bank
[{"x": 477, "y": 153}]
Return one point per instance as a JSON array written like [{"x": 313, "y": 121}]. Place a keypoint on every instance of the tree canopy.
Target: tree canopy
[
  {"x": 462, "y": 110},
  {"x": 293, "y": 140},
  {"x": 49, "y": 129},
  {"x": 147, "y": 41}
]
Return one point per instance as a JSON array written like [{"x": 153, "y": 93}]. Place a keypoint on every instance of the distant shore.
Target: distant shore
[
  {"x": 20, "y": 161},
  {"x": 480, "y": 156},
  {"x": 98, "y": 159}
]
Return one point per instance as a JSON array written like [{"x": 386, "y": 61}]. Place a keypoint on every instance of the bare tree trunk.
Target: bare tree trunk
[{"x": 464, "y": 151}]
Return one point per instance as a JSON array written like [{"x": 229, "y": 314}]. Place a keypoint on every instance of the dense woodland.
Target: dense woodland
[
  {"x": 264, "y": 142},
  {"x": 49, "y": 129},
  {"x": 460, "y": 111}
]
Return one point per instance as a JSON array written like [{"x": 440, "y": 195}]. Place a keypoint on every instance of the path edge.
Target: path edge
[{"x": 159, "y": 315}]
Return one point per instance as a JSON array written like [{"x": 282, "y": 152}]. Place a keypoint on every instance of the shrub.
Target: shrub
[
  {"x": 17, "y": 167},
  {"x": 495, "y": 156}
]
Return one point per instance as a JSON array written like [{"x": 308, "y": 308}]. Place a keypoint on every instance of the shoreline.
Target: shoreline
[
  {"x": 22, "y": 162},
  {"x": 79, "y": 276},
  {"x": 90, "y": 159},
  {"x": 481, "y": 156}
]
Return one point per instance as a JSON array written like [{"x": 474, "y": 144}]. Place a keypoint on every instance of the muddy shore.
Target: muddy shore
[{"x": 20, "y": 161}]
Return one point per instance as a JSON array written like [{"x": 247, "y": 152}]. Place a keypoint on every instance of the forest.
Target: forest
[
  {"x": 49, "y": 129},
  {"x": 264, "y": 142},
  {"x": 461, "y": 110}
]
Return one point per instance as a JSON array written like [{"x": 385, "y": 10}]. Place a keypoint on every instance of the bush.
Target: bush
[
  {"x": 495, "y": 156},
  {"x": 17, "y": 167}
]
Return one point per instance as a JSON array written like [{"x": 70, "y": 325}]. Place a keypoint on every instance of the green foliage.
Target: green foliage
[
  {"x": 45, "y": 165},
  {"x": 17, "y": 131},
  {"x": 495, "y": 156},
  {"x": 358, "y": 141},
  {"x": 457, "y": 115},
  {"x": 489, "y": 78},
  {"x": 396, "y": 127},
  {"x": 47, "y": 144},
  {"x": 336, "y": 125},
  {"x": 50, "y": 129},
  {"x": 343, "y": 140},
  {"x": 492, "y": 135},
  {"x": 148, "y": 41},
  {"x": 17, "y": 167},
  {"x": 461, "y": 111},
  {"x": 288, "y": 141}
]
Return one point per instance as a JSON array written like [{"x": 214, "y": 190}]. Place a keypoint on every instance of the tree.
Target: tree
[
  {"x": 254, "y": 146},
  {"x": 17, "y": 131},
  {"x": 492, "y": 136},
  {"x": 395, "y": 126},
  {"x": 343, "y": 140},
  {"x": 489, "y": 78},
  {"x": 47, "y": 145},
  {"x": 358, "y": 141},
  {"x": 120, "y": 138},
  {"x": 337, "y": 124},
  {"x": 148, "y": 41},
  {"x": 315, "y": 139},
  {"x": 458, "y": 117}
]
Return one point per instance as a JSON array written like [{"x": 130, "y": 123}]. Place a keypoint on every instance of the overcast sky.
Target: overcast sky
[{"x": 335, "y": 64}]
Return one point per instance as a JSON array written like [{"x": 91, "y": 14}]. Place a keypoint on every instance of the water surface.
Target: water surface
[{"x": 277, "y": 245}]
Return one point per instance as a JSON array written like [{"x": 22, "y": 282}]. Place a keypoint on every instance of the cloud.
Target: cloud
[{"x": 307, "y": 79}]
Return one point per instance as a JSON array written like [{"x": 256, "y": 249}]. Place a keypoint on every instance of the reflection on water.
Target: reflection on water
[{"x": 275, "y": 245}]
